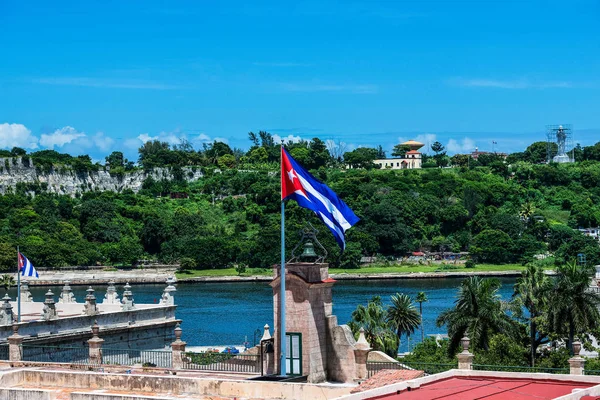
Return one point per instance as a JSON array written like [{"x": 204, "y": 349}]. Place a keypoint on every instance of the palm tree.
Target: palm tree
[
  {"x": 532, "y": 291},
  {"x": 478, "y": 311},
  {"x": 7, "y": 281},
  {"x": 421, "y": 298},
  {"x": 573, "y": 307},
  {"x": 372, "y": 318},
  {"x": 402, "y": 316}
]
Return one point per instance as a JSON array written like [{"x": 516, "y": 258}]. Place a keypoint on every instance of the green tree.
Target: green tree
[
  {"x": 8, "y": 257},
  {"x": 361, "y": 157},
  {"x": 537, "y": 152},
  {"x": 7, "y": 281},
  {"x": 400, "y": 150},
  {"x": 532, "y": 292},
  {"x": 378, "y": 332},
  {"x": 477, "y": 313},
  {"x": 402, "y": 315},
  {"x": 573, "y": 308},
  {"x": 492, "y": 246},
  {"x": 440, "y": 155},
  {"x": 421, "y": 298}
]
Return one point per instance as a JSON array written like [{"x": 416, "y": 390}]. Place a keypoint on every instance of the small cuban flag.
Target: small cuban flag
[
  {"x": 26, "y": 267},
  {"x": 300, "y": 185}
]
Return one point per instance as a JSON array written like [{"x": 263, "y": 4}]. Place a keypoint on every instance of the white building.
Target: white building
[{"x": 411, "y": 160}]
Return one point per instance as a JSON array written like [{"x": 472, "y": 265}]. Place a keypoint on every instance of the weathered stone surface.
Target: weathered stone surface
[
  {"x": 62, "y": 180},
  {"x": 6, "y": 312},
  {"x": 66, "y": 295}
]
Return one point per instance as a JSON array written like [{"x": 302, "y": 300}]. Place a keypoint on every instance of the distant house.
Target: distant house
[
  {"x": 475, "y": 154},
  {"x": 411, "y": 160},
  {"x": 591, "y": 232}
]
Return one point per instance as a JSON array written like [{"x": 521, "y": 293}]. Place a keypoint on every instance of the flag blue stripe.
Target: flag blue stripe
[{"x": 325, "y": 203}]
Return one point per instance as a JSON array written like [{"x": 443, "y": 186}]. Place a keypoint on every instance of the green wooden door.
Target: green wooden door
[{"x": 293, "y": 360}]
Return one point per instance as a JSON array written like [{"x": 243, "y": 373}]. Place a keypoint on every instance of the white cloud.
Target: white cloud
[
  {"x": 17, "y": 135},
  {"x": 287, "y": 139},
  {"x": 144, "y": 137},
  {"x": 510, "y": 84},
  {"x": 103, "y": 142},
  {"x": 60, "y": 137},
  {"x": 466, "y": 145},
  {"x": 203, "y": 137}
]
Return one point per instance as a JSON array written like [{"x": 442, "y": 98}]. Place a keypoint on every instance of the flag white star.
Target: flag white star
[{"x": 291, "y": 175}]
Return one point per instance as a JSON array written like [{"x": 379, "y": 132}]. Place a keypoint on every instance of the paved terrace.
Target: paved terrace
[{"x": 56, "y": 383}]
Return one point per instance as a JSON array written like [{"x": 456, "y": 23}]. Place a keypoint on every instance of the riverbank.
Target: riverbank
[{"x": 159, "y": 275}]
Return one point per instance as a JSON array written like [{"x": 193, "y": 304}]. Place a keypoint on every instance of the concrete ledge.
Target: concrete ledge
[
  {"x": 26, "y": 394},
  {"x": 168, "y": 385},
  {"x": 103, "y": 396}
]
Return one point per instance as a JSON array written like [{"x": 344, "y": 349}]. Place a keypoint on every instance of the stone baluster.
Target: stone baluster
[
  {"x": 67, "y": 296},
  {"x": 95, "y": 345},
  {"x": 128, "y": 303},
  {"x": 15, "y": 351},
  {"x": 26, "y": 296},
  {"x": 168, "y": 297},
  {"x": 266, "y": 334},
  {"x": 49, "y": 310},
  {"x": 6, "y": 313},
  {"x": 576, "y": 363},
  {"x": 268, "y": 358},
  {"x": 361, "y": 354},
  {"x": 111, "y": 296},
  {"x": 465, "y": 358},
  {"x": 90, "y": 307},
  {"x": 178, "y": 349}
]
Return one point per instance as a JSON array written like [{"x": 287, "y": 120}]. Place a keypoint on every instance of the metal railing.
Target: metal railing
[
  {"x": 518, "y": 368},
  {"x": 225, "y": 362},
  {"x": 147, "y": 358},
  {"x": 591, "y": 372},
  {"x": 57, "y": 354},
  {"x": 428, "y": 368}
]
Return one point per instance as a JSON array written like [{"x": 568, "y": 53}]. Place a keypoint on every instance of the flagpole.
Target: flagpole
[
  {"x": 18, "y": 289},
  {"x": 283, "y": 339}
]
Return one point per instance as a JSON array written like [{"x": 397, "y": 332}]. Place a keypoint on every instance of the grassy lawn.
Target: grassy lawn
[
  {"x": 363, "y": 270},
  {"x": 426, "y": 268}
]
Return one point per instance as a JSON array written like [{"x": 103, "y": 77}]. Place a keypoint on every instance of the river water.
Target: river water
[{"x": 230, "y": 313}]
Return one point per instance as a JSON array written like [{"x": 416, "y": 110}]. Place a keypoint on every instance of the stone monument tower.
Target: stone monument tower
[{"x": 317, "y": 346}]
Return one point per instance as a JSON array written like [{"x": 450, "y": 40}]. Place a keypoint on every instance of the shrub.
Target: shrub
[{"x": 470, "y": 264}]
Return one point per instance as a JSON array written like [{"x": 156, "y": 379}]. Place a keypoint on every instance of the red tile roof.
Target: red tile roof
[
  {"x": 387, "y": 377},
  {"x": 491, "y": 388}
]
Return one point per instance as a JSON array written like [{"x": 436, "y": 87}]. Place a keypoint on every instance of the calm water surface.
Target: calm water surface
[{"x": 227, "y": 313}]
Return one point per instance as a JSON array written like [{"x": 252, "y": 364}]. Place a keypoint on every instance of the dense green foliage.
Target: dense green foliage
[
  {"x": 536, "y": 328},
  {"x": 498, "y": 213}
]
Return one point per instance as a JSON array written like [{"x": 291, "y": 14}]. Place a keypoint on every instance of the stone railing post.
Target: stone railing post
[
  {"x": 177, "y": 349},
  {"x": 90, "y": 308},
  {"x": 266, "y": 345},
  {"x": 15, "y": 351},
  {"x": 49, "y": 310},
  {"x": 95, "y": 345},
  {"x": 361, "y": 354},
  {"x": 465, "y": 358},
  {"x": 576, "y": 363},
  {"x": 6, "y": 312}
]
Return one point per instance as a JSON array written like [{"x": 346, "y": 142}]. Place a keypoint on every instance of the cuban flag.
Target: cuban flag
[
  {"x": 26, "y": 267},
  {"x": 298, "y": 184}
]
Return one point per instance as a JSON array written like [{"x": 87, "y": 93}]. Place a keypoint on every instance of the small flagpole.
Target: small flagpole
[
  {"x": 283, "y": 339},
  {"x": 18, "y": 289}
]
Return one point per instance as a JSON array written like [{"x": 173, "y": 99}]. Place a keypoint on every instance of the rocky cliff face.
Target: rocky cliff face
[{"x": 63, "y": 180}]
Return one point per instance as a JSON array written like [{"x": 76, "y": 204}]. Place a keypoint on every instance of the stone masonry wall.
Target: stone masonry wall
[{"x": 68, "y": 182}]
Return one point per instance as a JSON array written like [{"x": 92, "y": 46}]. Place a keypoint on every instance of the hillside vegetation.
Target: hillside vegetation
[{"x": 500, "y": 213}]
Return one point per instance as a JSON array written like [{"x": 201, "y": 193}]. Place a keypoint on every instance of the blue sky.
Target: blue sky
[{"x": 90, "y": 77}]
